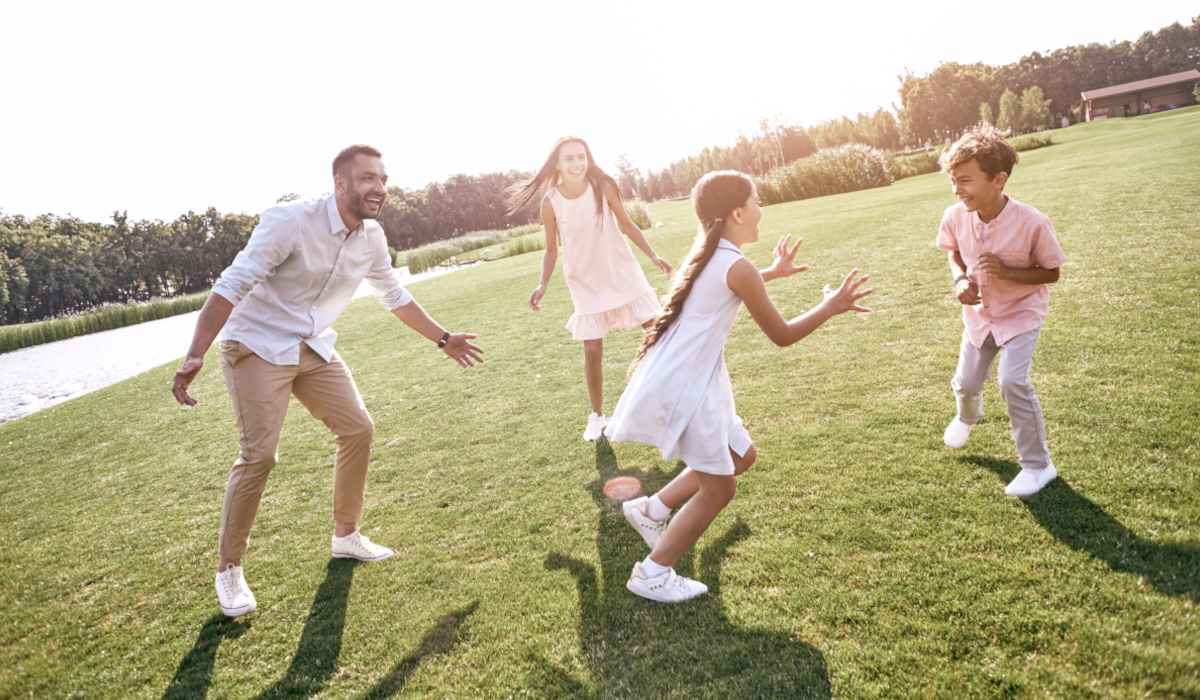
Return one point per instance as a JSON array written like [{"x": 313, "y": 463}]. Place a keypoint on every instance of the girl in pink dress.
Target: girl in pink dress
[{"x": 582, "y": 204}]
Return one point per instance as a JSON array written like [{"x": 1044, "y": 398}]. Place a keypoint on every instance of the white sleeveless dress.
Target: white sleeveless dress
[
  {"x": 606, "y": 283},
  {"x": 679, "y": 398}
]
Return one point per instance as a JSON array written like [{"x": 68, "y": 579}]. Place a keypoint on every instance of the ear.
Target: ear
[
  {"x": 737, "y": 214},
  {"x": 1000, "y": 180},
  {"x": 339, "y": 183}
]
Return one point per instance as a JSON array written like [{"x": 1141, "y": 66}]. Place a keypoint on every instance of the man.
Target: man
[{"x": 276, "y": 302}]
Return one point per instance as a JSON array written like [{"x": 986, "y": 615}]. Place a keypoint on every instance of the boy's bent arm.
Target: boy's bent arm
[
  {"x": 992, "y": 264},
  {"x": 964, "y": 289}
]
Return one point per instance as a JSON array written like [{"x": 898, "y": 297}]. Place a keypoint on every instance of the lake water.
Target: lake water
[{"x": 45, "y": 375}]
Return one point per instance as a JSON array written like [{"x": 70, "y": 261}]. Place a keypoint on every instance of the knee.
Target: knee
[
  {"x": 744, "y": 462},
  {"x": 1014, "y": 383},
  {"x": 720, "y": 490},
  {"x": 593, "y": 350},
  {"x": 362, "y": 427},
  {"x": 969, "y": 386}
]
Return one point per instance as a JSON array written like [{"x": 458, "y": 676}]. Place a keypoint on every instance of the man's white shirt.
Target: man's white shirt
[{"x": 297, "y": 274}]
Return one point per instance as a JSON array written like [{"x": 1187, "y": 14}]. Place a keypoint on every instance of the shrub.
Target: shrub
[
  {"x": 636, "y": 209},
  {"x": 1028, "y": 142},
  {"x": 102, "y": 318},
  {"x": 900, "y": 166},
  {"x": 846, "y": 168}
]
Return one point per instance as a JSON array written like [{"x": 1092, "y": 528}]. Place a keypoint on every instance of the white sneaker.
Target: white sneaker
[
  {"x": 595, "y": 427},
  {"x": 668, "y": 588},
  {"x": 650, "y": 529},
  {"x": 956, "y": 434},
  {"x": 233, "y": 594},
  {"x": 357, "y": 546},
  {"x": 1030, "y": 481}
]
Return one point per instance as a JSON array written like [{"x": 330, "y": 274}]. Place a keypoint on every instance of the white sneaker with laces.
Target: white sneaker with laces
[
  {"x": 357, "y": 546},
  {"x": 956, "y": 434},
  {"x": 650, "y": 529},
  {"x": 1030, "y": 481},
  {"x": 233, "y": 594},
  {"x": 595, "y": 427},
  {"x": 668, "y": 588}
]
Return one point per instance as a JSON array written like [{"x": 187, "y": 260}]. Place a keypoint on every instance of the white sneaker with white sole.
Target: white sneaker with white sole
[
  {"x": 668, "y": 588},
  {"x": 595, "y": 427},
  {"x": 357, "y": 546},
  {"x": 1030, "y": 481},
  {"x": 650, "y": 529},
  {"x": 956, "y": 434},
  {"x": 233, "y": 594}
]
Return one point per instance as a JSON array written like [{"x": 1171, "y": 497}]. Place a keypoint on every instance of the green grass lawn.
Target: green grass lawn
[{"x": 860, "y": 557}]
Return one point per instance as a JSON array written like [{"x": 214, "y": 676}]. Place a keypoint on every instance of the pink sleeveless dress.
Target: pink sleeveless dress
[{"x": 606, "y": 283}]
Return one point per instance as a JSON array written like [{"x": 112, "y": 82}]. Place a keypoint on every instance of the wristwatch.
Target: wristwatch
[
  {"x": 963, "y": 276},
  {"x": 442, "y": 342}
]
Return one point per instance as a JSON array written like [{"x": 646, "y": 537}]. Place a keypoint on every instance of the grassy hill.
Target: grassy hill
[{"x": 860, "y": 557}]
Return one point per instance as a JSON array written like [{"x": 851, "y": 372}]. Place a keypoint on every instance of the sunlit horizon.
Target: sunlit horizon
[{"x": 157, "y": 110}]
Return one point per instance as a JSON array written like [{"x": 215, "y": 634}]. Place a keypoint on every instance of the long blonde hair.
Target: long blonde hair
[{"x": 714, "y": 197}]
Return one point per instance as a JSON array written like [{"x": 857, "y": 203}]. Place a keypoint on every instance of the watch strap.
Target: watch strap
[{"x": 444, "y": 340}]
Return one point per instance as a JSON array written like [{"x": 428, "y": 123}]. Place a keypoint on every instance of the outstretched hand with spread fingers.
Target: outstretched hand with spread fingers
[
  {"x": 785, "y": 260},
  {"x": 845, "y": 298}
]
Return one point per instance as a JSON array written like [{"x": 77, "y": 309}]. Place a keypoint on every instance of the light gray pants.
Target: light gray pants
[{"x": 1024, "y": 411}]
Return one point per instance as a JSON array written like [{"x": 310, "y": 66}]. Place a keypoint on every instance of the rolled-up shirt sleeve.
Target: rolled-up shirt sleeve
[
  {"x": 269, "y": 245},
  {"x": 383, "y": 281}
]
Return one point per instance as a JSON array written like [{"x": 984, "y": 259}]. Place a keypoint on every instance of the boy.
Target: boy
[{"x": 1002, "y": 255}]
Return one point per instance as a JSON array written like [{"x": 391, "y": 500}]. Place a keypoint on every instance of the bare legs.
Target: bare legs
[
  {"x": 593, "y": 371},
  {"x": 706, "y": 495}
]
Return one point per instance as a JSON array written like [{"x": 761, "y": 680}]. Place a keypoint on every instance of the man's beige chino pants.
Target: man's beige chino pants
[{"x": 260, "y": 393}]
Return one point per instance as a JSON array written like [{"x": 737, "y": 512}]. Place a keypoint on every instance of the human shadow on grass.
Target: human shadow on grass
[
  {"x": 1173, "y": 569},
  {"x": 436, "y": 642},
  {"x": 320, "y": 644},
  {"x": 195, "y": 670},
  {"x": 641, "y": 649}
]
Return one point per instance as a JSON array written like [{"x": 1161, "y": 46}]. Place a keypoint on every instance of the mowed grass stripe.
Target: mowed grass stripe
[{"x": 860, "y": 558}]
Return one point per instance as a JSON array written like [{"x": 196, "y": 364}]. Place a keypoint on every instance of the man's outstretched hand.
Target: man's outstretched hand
[
  {"x": 183, "y": 378},
  {"x": 459, "y": 347}
]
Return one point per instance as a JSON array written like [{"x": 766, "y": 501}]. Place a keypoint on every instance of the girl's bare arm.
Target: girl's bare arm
[
  {"x": 550, "y": 257},
  {"x": 631, "y": 229},
  {"x": 747, "y": 282}
]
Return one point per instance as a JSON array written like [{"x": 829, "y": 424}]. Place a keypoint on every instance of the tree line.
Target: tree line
[
  {"x": 51, "y": 266},
  {"x": 1032, "y": 93}
]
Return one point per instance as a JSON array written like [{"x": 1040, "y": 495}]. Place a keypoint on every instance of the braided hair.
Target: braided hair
[{"x": 714, "y": 197}]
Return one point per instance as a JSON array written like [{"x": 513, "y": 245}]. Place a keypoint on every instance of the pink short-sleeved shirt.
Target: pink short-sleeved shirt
[{"x": 1020, "y": 236}]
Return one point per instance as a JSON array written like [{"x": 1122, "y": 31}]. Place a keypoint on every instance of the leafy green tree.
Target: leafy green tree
[
  {"x": 985, "y": 113},
  {"x": 1035, "y": 109},
  {"x": 1010, "y": 111}
]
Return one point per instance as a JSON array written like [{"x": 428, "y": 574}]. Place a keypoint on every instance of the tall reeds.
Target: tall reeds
[
  {"x": 438, "y": 252},
  {"x": 103, "y": 318},
  {"x": 847, "y": 168}
]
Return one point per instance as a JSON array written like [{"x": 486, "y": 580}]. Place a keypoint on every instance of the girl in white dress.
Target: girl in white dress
[
  {"x": 581, "y": 202},
  {"x": 679, "y": 398}
]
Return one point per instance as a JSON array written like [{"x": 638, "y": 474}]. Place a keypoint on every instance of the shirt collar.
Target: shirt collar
[
  {"x": 1009, "y": 203},
  {"x": 722, "y": 243},
  {"x": 337, "y": 227}
]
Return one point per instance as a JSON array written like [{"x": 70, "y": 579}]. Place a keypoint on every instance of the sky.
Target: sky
[{"x": 158, "y": 108}]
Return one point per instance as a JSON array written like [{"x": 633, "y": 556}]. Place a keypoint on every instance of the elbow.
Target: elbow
[{"x": 1053, "y": 276}]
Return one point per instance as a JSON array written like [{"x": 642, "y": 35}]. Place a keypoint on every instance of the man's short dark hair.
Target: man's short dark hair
[{"x": 349, "y": 153}]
